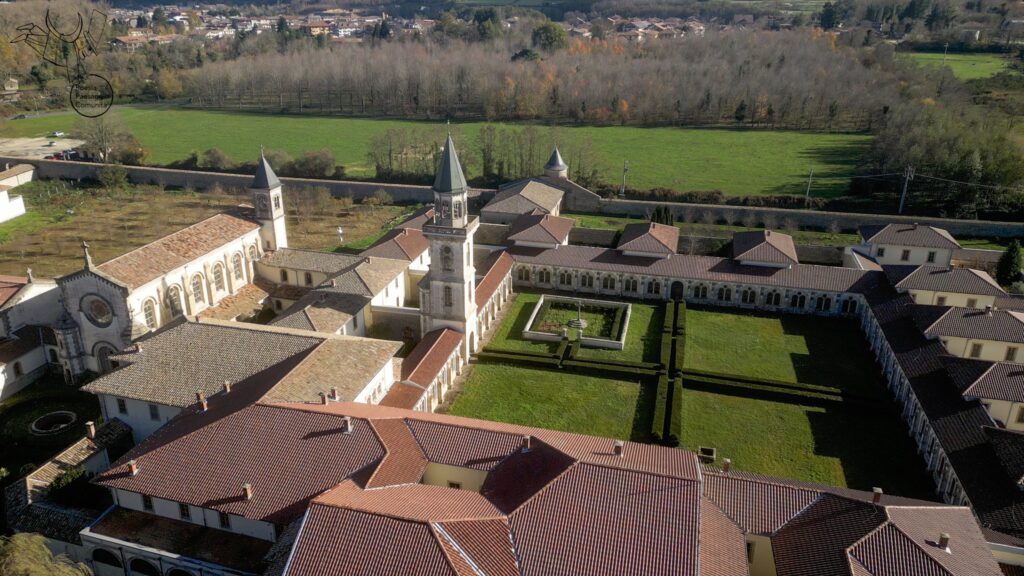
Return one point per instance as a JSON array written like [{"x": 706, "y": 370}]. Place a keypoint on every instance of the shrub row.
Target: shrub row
[
  {"x": 620, "y": 313},
  {"x": 739, "y": 380},
  {"x": 666, "y": 425},
  {"x": 516, "y": 358}
]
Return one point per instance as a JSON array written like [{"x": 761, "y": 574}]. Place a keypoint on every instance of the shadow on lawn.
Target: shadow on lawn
[
  {"x": 837, "y": 355},
  {"x": 644, "y": 413},
  {"x": 652, "y": 337}
]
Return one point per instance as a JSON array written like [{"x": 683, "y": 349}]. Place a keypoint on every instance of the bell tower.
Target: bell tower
[
  {"x": 269, "y": 203},
  {"x": 448, "y": 292}
]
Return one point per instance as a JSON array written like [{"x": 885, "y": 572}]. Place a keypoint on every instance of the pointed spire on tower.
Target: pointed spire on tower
[
  {"x": 556, "y": 167},
  {"x": 86, "y": 256},
  {"x": 449, "y": 178},
  {"x": 265, "y": 178}
]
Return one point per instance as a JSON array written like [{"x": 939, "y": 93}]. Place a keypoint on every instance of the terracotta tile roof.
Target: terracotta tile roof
[
  {"x": 756, "y": 506},
  {"x": 399, "y": 244},
  {"x": 16, "y": 170},
  {"x": 403, "y": 461},
  {"x": 865, "y": 262},
  {"x": 9, "y": 286},
  {"x": 341, "y": 542},
  {"x": 621, "y": 522},
  {"x": 247, "y": 301},
  {"x": 161, "y": 256},
  {"x": 288, "y": 456},
  {"x": 1009, "y": 446},
  {"x": 542, "y": 227},
  {"x": 403, "y": 395},
  {"x": 464, "y": 446},
  {"x": 998, "y": 381},
  {"x": 649, "y": 237},
  {"x": 938, "y": 279},
  {"x": 312, "y": 260},
  {"x": 498, "y": 265},
  {"x": 487, "y": 544},
  {"x": 722, "y": 546},
  {"x": 418, "y": 218},
  {"x": 426, "y": 360},
  {"x": 359, "y": 359},
  {"x": 764, "y": 246},
  {"x": 816, "y": 541},
  {"x": 909, "y": 235},
  {"x": 524, "y": 196},
  {"x": 414, "y": 502},
  {"x": 706, "y": 268},
  {"x": 942, "y": 321},
  {"x": 173, "y": 364},
  {"x": 21, "y": 342}
]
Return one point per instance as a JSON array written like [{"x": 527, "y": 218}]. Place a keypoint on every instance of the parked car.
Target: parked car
[
  {"x": 57, "y": 134},
  {"x": 21, "y": 117}
]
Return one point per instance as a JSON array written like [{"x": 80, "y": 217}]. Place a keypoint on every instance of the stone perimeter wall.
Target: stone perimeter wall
[{"x": 577, "y": 199}]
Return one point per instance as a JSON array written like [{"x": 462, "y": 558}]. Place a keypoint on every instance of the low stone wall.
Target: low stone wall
[
  {"x": 68, "y": 170},
  {"x": 811, "y": 219},
  {"x": 976, "y": 258}
]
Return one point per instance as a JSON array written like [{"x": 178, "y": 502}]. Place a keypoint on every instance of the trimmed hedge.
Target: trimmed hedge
[
  {"x": 620, "y": 313},
  {"x": 667, "y": 422},
  {"x": 494, "y": 350},
  {"x": 515, "y": 358}
]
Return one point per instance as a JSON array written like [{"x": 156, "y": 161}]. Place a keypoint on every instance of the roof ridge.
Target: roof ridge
[
  {"x": 888, "y": 523},
  {"x": 987, "y": 278},
  {"x": 990, "y": 368},
  {"x": 433, "y": 345},
  {"x": 246, "y": 326},
  {"x": 436, "y": 529},
  {"x": 172, "y": 234}
]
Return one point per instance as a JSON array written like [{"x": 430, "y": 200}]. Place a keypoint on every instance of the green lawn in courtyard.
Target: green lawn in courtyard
[
  {"x": 509, "y": 336},
  {"x": 735, "y": 161},
  {"x": 857, "y": 440},
  {"x": 556, "y": 399}
]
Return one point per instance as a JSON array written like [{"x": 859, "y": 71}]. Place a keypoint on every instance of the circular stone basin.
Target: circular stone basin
[
  {"x": 53, "y": 423},
  {"x": 577, "y": 323}
]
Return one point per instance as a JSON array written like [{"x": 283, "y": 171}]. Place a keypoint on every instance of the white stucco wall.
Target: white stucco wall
[
  {"x": 202, "y": 516},
  {"x": 137, "y": 416}
]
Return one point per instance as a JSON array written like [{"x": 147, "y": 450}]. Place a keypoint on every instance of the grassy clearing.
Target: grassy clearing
[
  {"x": 737, "y": 162},
  {"x": 48, "y": 238},
  {"x": 964, "y": 66},
  {"x": 557, "y": 315},
  {"x": 839, "y": 442},
  {"x": 555, "y": 399}
]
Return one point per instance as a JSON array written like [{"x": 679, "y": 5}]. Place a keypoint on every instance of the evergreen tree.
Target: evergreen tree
[
  {"x": 829, "y": 18},
  {"x": 1010, "y": 264}
]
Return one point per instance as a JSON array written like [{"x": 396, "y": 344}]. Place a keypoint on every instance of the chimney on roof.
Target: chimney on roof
[
  {"x": 767, "y": 232},
  {"x": 346, "y": 425},
  {"x": 726, "y": 465},
  {"x": 28, "y": 274},
  {"x": 90, "y": 430},
  {"x": 619, "y": 445},
  {"x": 334, "y": 393},
  {"x": 138, "y": 347},
  {"x": 988, "y": 310},
  {"x": 527, "y": 442},
  {"x": 944, "y": 541},
  {"x": 876, "y": 496},
  {"x": 227, "y": 386},
  {"x": 201, "y": 399},
  {"x": 133, "y": 468},
  {"x": 334, "y": 283},
  {"x": 323, "y": 398},
  {"x": 247, "y": 491}
]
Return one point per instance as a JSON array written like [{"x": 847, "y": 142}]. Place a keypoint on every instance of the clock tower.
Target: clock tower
[
  {"x": 448, "y": 298},
  {"x": 266, "y": 197}
]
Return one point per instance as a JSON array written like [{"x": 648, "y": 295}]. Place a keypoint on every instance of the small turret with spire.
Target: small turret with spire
[
  {"x": 268, "y": 199},
  {"x": 450, "y": 189},
  {"x": 556, "y": 167}
]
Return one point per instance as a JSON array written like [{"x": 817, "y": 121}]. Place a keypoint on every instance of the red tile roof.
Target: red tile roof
[
  {"x": 939, "y": 279},
  {"x": 541, "y": 227},
  {"x": 399, "y": 244},
  {"x": 764, "y": 246},
  {"x": 427, "y": 359},
  {"x": 161, "y": 256},
  {"x": 498, "y": 265},
  {"x": 909, "y": 235},
  {"x": 649, "y": 237},
  {"x": 9, "y": 286}
]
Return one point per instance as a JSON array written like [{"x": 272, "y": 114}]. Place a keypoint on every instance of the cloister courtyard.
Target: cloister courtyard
[{"x": 785, "y": 395}]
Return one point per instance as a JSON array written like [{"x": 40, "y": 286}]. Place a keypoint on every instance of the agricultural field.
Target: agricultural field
[
  {"x": 827, "y": 417},
  {"x": 964, "y": 66},
  {"x": 737, "y": 162},
  {"x": 48, "y": 237}
]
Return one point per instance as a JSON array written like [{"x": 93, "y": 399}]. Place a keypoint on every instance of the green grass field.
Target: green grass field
[
  {"x": 857, "y": 442},
  {"x": 555, "y": 399},
  {"x": 964, "y": 66},
  {"x": 737, "y": 162}
]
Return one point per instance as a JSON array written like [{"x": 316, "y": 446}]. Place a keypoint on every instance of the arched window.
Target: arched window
[
  {"x": 448, "y": 296},
  {"x": 631, "y": 285},
  {"x": 725, "y": 294},
  {"x": 309, "y": 279},
  {"x": 457, "y": 211},
  {"x": 236, "y": 266},
  {"x": 797, "y": 301},
  {"x": 252, "y": 253},
  {"x": 101, "y": 556},
  {"x": 284, "y": 275},
  {"x": 18, "y": 371},
  {"x": 587, "y": 280},
  {"x": 523, "y": 274},
  {"x": 103, "y": 353},
  {"x": 608, "y": 282},
  {"x": 749, "y": 296},
  {"x": 197, "y": 288},
  {"x": 700, "y": 291},
  {"x": 544, "y": 276},
  {"x": 445, "y": 208},
  {"x": 773, "y": 299},
  {"x": 565, "y": 278},
  {"x": 849, "y": 306},
  {"x": 654, "y": 287},
  {"x": 143, "y": 568},
  {"x": 218, "y": 277},
  {"x": 149, "y": 313},
  {"x": 174, "y": 301},
  {"x": 446, "y": 259}
]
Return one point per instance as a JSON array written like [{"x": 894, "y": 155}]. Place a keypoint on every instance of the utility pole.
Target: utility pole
[
  {"x": 945, "y": 49},
  {"x": 908, "y": 175},
  {"x": 807, "y": 195},
  {"x": 625, "y": 168}
]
